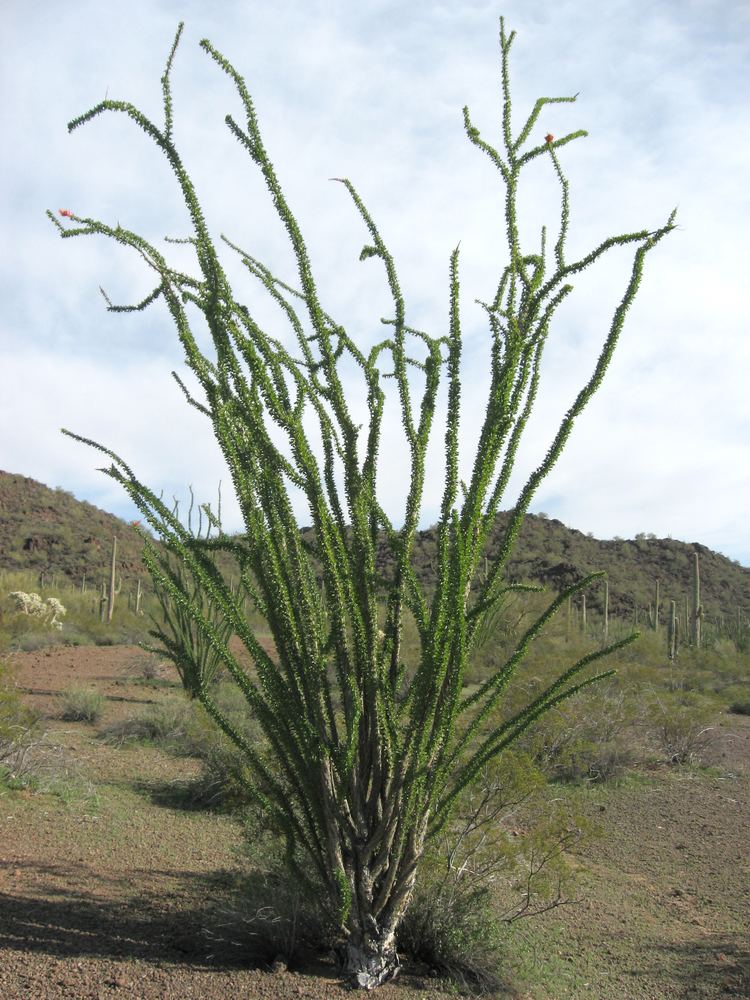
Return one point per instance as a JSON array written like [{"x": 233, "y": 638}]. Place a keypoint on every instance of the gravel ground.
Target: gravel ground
[{"x": 111, "y": 891}]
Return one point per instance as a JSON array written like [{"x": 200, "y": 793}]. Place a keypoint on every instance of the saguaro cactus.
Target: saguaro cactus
[
  {"x": 366, "y": 755},
  {"x": 672, "y": 632},
  {"x": 697, "y": 606},
  {"x": 605, "y": 630},
  {"x": 111, "y": 597}
]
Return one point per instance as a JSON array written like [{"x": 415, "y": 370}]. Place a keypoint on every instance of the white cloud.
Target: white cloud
[{"x": 374, "y": 92}]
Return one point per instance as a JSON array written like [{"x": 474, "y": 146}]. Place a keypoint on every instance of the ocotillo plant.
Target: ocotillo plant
[{"x": 367, "y": 754}]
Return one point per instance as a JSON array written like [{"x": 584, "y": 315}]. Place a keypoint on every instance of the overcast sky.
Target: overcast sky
[{"x": 374, "y": 92}]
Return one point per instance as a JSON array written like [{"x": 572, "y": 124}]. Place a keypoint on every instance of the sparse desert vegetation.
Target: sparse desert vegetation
[
  {"x": 427, "y": 756},
  {"x": 636, "y": 798}
]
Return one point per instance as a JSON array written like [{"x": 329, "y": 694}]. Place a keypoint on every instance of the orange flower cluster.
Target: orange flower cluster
[
  {"x": 549, "y": 137},
  {"x": 66, "y": 211}
]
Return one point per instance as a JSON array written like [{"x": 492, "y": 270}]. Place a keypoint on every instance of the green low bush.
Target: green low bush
[
  {"x": 589, "y": 739},
  {"x": 271, "y": 915},
  {"x": 172, "y": 725},
  {"x": 182, "y": 727},
  {"x": 502, "y": 857},
  {"x": 683, "y": 729},
  {"x": 82, "y": 705}
]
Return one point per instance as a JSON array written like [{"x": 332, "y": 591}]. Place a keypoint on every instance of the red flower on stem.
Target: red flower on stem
[
  {"x": 134, "y": 524},
  {"x": 66, "y": 211},
  {"x": 549, "y": 137}
]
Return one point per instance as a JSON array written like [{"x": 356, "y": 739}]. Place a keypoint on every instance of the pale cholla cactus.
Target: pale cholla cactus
[
  {"x": 32, "y": 604},
  {"x": 55, "y": 610}
]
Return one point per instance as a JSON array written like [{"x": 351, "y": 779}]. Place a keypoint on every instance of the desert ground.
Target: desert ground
[{"x": 114, "y": 888}]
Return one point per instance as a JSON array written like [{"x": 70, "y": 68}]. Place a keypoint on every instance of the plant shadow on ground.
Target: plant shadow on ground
[
  {"x": 71, "y": 922},
  {"x": 75, "y": 923},
  {"x": 186, "y": 794},
  {"x": 717, "y": 966}
]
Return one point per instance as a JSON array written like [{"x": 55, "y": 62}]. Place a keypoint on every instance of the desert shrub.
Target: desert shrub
[
  {"x": 151, "y": 668},
  {"x": 271, "y": 916},
  {"x": 14, "y": 715},
  {"x": 28, "y": 758},
  {"x": 682, "y": 729},
  {"x": 585, "y": 741},
  {"x": 32, "y": 761},
  {"x": 171, "y": 725},
  {"x": 740, "y": 707},
  {"x": 31, "y": 640},
  {"x": 82, "y": 705},
  {"x": 183, "y": 727},
  {"x": 462, "y": 940},
  {"x": 500, "y": 858},
  {"x": 223, "y": 782}
]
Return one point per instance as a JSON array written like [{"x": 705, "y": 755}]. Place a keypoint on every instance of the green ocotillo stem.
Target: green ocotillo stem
[{"x": 656, "y": 605}]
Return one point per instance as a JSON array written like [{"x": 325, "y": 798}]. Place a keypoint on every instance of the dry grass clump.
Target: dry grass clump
[{"x": 82, "y": 705}]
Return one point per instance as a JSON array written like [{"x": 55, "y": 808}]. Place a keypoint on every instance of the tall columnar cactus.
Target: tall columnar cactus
[
  {"x": 366, "y": 755},
  {"x": 111, "y": 594},
  {"x": 605, "y": 630},
  {"x": 656, "y": 605},
  {"x": 672, "y": 631},
  {"x": 697, "y": 606}
]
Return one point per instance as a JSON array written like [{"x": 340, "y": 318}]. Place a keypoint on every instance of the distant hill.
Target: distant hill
[
  {"x": 48, "y": 530},
  {"x": 550, "y": 553}
]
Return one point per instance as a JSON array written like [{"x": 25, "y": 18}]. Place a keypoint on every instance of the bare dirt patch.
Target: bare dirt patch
[{"x": 116, "y": 894}]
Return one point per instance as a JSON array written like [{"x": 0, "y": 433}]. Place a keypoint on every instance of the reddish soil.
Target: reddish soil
[
  {"x": 117, "y": 896},
  {"x": 115, "y": 893}
]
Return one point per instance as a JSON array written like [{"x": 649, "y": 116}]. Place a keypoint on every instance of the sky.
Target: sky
[{"x": 374, "y": 92}]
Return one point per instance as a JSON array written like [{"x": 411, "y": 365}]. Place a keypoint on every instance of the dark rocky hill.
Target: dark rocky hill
[{"x": 48, "y": 530}]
